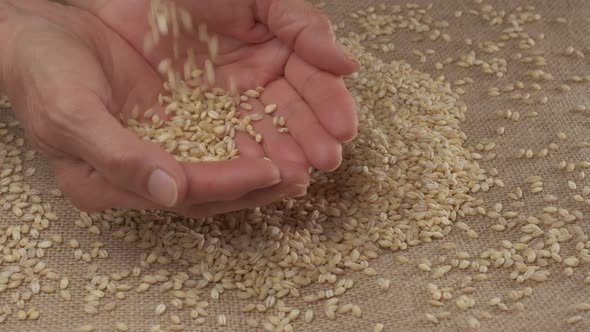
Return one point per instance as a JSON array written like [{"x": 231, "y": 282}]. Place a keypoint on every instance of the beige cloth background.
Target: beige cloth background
[{"x": 403, "y": 306}]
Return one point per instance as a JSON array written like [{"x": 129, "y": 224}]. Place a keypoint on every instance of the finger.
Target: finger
[
  {"x": 327, "y": 96},
  {"x": 307, "y": 31},
  {"x": 280, "y": 148},
  {"x": 228, "y": 180},
  {"x": 293, "y": 171},
  {"x": 85, "y": 128},
  {"x": 80, "y": 184},
  {"x": 248, "y": 147},
  {"x": 322, "y": 150},
  {"x": 252, "y": 200}
]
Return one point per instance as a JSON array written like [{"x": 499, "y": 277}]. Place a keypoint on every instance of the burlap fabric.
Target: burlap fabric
[{"x": 401, "y": 308}]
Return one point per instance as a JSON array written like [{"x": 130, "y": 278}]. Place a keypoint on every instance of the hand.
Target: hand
[
  {"x": 69, "y": 77},
  {"x": 286, "y": 46}
]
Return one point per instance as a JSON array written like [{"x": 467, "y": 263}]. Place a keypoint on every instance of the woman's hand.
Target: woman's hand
[
  {"x": 286, "y": 46},
  {"x": 69, "y": 77}
]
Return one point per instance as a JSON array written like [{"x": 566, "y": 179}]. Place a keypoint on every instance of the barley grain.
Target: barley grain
[
  {"x": 221, "y": 320},
  {"x": 122, "y": 327},
  {"x": 160, "y": 309},
  {"x": 86, "y": 328},
  {"x": 573, "y": 319}
]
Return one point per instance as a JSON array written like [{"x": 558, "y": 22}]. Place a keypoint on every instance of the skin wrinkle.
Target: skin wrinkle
[
  {"x": 254, "y": 9},
  {"x": 290, "y": 107},
  {"x": 90, "y": 5},
  {"x": 92, "y": 44},
  {"x": 108, "y": 65},
  {"x": 42, "y": 126},
  {"x": 283, "y": 16},
  {"x": 309, "y": 79},
  {"x": 38, "y": 140},
  {"x": 90, "y": 176},
  {"x": 277, "y": 61},
  {"x": 235, "y": 16}
]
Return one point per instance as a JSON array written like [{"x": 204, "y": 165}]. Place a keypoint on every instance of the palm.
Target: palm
[{"x": 310, "y": 99}]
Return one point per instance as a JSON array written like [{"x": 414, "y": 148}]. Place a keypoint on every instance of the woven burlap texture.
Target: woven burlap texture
[{"x": 402, "y": 307}]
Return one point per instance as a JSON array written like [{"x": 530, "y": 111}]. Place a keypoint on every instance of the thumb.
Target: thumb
[
  {"x": 307, "y": 31},
  {"x": 122, "y": 158}
]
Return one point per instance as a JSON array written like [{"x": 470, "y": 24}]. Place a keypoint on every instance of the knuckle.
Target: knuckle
[
  {"x": 67, "y": 111},
  {"x": 64, "y": 113},
  {"x": 50, "y": 123},
  {"x": 40, "y": 132},
  {"x": 316, "y": 16},
  {"x": 127, "y": 166},
  {"x": 121, "y": 159},
  {"x": 52, "y": 126},
  {"x": 77, "y": 198},
  {"x": 42, "y": 136}
]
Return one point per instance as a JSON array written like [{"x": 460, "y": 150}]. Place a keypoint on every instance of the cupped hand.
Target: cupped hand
[
  {"x": 285, "y": 46},
  {"x": 69, "y": 77}
]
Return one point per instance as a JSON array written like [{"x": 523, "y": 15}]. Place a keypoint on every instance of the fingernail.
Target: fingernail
[
  {"x": 276, "y": 173},
  {"x": 273, "y": 182},
  {"x": 163, "y": 188},
  {"x": 357, "y": 65},
  {"x": 349, "y": 55},
  {"x": 299, "y": 191}
]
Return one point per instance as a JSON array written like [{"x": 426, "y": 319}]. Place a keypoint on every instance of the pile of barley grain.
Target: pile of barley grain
[
  {"x": 406, "y": 180},
  {"x": 202, "y": 123}
]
